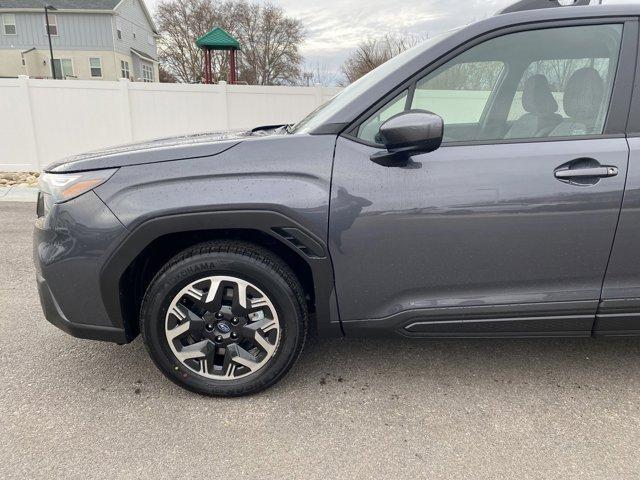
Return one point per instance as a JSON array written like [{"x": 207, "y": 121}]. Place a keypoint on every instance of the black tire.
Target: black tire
[{"x": 250, "y": 263}]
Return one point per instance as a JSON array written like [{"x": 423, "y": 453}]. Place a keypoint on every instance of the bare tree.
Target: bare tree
[
  {"x": 270, "y": 43},
  {"x": 372, "y": 53},
  {"x": 180, "y": 22},
  {"x": 269, "y": 40},
  {"x": 164, "y": 76},
  {"x": 320, "y": 73}
]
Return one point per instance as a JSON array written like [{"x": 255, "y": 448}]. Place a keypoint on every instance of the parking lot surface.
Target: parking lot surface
[{"x": 350, "y": 409}]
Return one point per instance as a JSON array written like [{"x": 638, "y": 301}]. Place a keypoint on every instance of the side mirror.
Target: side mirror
[{"x": 409, "y": 133}]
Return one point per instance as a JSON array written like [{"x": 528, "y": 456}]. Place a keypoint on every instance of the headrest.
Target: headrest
[
  {"x": 583, "y": 95},
  {"x": 537, "y": 97}
]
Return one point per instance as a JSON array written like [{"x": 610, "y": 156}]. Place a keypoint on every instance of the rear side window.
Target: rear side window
[{"x": 554, "y": 82}]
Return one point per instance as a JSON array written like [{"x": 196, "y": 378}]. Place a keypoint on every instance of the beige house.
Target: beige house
[{"x": 91, "y": 40}]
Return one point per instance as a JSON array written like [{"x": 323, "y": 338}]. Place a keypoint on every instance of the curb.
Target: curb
[{"x": 18, "y": 194}]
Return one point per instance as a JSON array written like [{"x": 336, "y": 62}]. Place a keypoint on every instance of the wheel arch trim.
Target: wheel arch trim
[{"x": 265, "y": 221}]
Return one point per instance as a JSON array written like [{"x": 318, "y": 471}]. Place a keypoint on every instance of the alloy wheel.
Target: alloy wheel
[{"x": 222, "y": 328}]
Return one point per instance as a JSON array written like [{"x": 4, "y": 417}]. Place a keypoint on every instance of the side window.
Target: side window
[
  {"x": 586, "y": 83},
  {"x": 52, "y": 27},
  {"x": 369, "y": 130},
  {"x": 124, "y": 69},
  {"x": 9, "y": 24},
  {"x": 552, "y": 82},
  {"x": 147, "y": 73},
  {"x": 458, "y": 93},
  {"x": 63, "y": 67},
  {"x": 95, "y": 66}
]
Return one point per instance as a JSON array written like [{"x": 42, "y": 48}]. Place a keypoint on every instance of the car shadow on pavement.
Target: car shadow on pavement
[{"x": 392, "y": 367}]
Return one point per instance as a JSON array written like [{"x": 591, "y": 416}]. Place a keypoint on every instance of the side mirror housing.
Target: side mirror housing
[{"x": 409, "y": 133}]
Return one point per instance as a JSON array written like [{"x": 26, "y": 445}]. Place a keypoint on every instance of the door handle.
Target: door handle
[{"x": 590, "y": 172}]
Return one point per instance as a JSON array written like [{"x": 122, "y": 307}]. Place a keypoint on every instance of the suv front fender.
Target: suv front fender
[{"x": 284, "y": 230}]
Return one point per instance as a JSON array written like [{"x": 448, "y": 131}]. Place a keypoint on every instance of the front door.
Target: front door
[{"x": 507, "y": 228}]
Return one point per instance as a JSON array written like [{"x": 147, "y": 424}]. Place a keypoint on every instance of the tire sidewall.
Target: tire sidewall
[{"x": 170, "y": 282}]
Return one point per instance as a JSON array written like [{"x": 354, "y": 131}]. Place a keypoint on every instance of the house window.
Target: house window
[
  {"x": 124, "y": 69},
  {"x": 134, "y": 35},
  {"x": 52, "y": 28},
  {"x": 147, "y": 73},
  {"x": 67, "y": 67},
  {"x": 119, "y": 33},
  {"x": 63, "y": 67},
  {"x": 95, "y": 64},
  {"x": 9, "y": 24}
]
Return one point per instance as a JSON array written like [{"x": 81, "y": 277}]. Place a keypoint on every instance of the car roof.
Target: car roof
[
  {"x": 632, "y": 9},
  {"x": 379, "y": 90}
]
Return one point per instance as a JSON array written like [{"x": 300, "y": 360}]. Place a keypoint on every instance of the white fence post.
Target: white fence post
[
  {"x": 31, "y": 148},
  {"x": 125, "y": 105},
  {"x": 225, "y": 104}
]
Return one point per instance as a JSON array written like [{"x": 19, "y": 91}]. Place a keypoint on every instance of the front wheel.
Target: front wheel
[{"x": 224, "y": 318}]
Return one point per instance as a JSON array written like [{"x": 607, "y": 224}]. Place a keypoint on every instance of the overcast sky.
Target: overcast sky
[{"x": 334, "y": 27}]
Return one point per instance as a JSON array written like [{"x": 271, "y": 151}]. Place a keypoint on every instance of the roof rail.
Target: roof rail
[{"x": 523, "y": 5}]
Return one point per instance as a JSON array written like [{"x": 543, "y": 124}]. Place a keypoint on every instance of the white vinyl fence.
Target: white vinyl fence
[{"x": 42, "y": 121}]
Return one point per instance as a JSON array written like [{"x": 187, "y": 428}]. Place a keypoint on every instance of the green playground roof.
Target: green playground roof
[{"x": 218, "y": 39}]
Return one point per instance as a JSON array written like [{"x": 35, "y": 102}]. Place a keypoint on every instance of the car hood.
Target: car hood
[{"x": 161, "y": 150}]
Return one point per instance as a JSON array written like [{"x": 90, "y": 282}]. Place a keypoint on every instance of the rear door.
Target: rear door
[
  {"x": 619, "y": 312},
  {"x": 490, "y": 235}
]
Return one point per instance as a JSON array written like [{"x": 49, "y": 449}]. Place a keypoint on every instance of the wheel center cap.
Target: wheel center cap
[{"x": 224, "y": 327}]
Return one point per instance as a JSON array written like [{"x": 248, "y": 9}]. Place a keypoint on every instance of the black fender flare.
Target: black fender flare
[{"x": 283, "y": 229}]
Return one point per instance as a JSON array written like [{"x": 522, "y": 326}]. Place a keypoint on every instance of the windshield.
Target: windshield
[{"x": 326, "y": 111}]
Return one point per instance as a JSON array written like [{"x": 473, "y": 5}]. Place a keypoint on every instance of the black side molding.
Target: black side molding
[{"x": 618, "y": 317}]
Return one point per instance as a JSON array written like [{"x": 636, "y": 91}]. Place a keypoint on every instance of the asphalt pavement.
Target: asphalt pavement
[{"x": 350, "y": 409}]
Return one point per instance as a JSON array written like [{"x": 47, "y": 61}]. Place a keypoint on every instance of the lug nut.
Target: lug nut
[
  {"x": 235, "y": 320},
  {"x": 209, "y": 327},
  {"x": 219, "y": 315},
  {"x": 234, "y": 335},
  {"x": 219, "y": 339}
]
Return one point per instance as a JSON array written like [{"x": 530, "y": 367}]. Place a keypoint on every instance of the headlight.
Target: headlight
[{"x": 65, "y": 186}]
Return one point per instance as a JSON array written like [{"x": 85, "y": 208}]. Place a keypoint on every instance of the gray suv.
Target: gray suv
[{"x": 483, "y": 184}]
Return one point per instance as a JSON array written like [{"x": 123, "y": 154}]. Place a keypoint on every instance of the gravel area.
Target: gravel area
[
  {"x": 350, "y": 409},
  {"x": 19, "y": 179}
]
